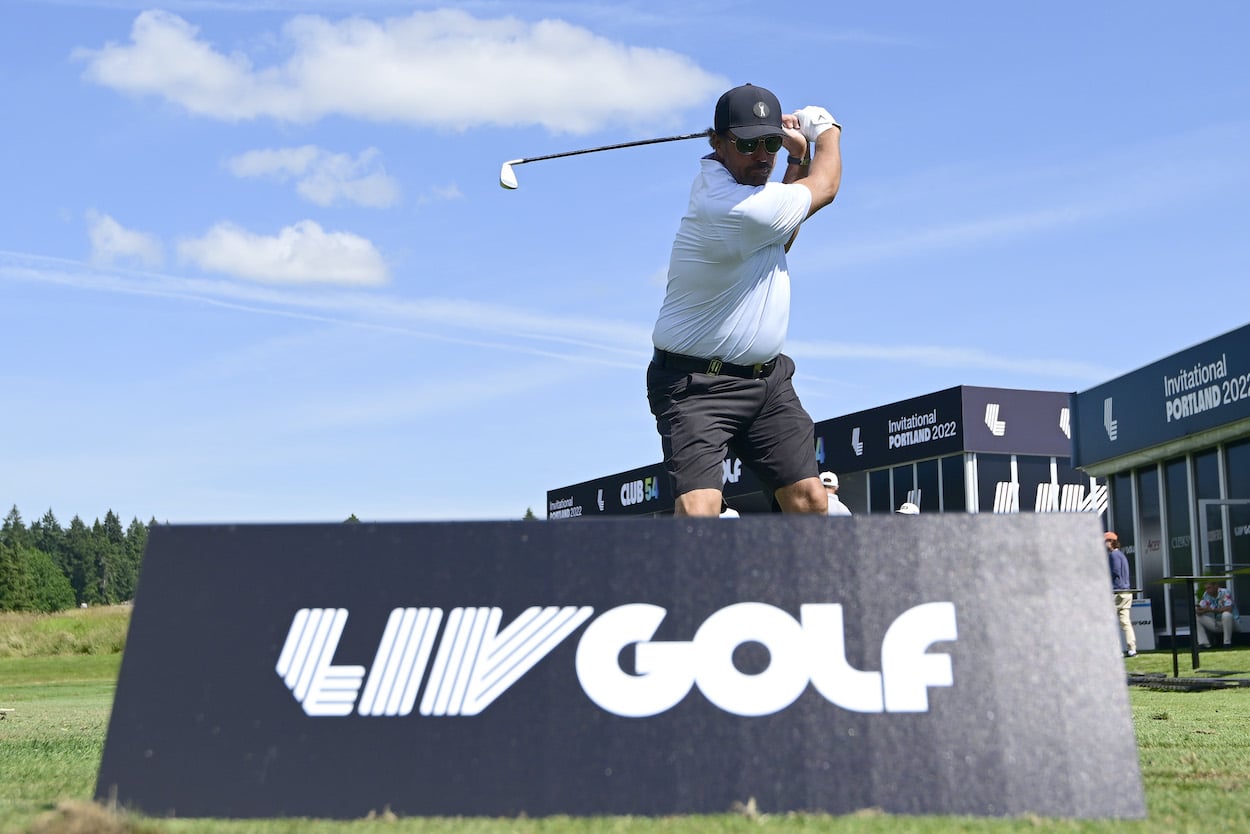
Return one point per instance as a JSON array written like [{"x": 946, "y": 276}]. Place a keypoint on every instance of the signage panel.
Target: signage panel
[
  {"x": 1016, "y": 422},
  {"x": 638, "y": 492},
  {"x": 616, "y": 667},
  {"x": 921, "y": 427},
  {"x": 647, "y": 491},
  {"x": 1200, "y": 388}
]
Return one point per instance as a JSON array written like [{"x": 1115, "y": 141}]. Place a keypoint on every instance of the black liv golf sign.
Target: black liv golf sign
[{"x": 625, "y": 667}]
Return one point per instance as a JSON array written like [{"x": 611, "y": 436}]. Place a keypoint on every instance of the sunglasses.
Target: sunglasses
[{"x": 772, "y": 144}]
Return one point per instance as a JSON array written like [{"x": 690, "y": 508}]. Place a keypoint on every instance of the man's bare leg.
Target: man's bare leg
[
  {"x": 701, "y": 502},
  {"x": 806, "y": 496}
]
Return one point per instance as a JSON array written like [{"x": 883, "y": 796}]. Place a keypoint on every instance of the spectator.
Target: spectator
[
  {"x": 1120, "y": 586},
  {"x": 1216, "y": 612},
  {"x": 836, "y": 507}
]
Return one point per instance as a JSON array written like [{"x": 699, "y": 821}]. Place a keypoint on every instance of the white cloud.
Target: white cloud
[
  {"x": 282, "y": 163},
  {"x": 441, "y": 193},
  {"x": 322, "y": 177},
  {"x": 299, "y": 254},
  {"x": 112, "y": 243},
  {"x": 441, "y": 68}
]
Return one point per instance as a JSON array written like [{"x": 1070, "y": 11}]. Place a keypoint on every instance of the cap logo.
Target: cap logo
[{"x": 760, "y": 110}]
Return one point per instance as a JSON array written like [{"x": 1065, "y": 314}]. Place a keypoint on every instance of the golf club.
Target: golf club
[{"x": 507, "y": 177}]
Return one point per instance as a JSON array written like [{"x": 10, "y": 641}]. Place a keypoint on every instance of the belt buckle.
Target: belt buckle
[{"x": 714, "y": 367}]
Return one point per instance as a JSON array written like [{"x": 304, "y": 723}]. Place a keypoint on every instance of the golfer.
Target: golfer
[{"x": 718, "y": 381}]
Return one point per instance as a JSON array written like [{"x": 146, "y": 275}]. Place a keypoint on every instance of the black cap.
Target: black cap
[{"x": 750, "y": 112}]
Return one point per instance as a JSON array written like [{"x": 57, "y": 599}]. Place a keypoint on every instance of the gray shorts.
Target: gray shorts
[{"x": 702, "y": 419}]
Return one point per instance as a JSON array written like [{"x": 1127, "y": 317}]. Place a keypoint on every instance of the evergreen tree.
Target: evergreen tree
[
  {"x": 111, "y": 541},
  {"x": 14, "y": 578},
  {"x": 13, "y": 531},
  {"x": 127, "y": 577},
  {"x": 78, "y": 563},
  {"x": 50, "y": 591},
  {"x": 46, "y": 535},
  {"x": 529, "y": 515}
]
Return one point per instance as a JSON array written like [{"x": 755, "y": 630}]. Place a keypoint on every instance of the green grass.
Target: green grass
[
  {"x": 1193, "y": 748},
  {"x": 96, "y": 631}
]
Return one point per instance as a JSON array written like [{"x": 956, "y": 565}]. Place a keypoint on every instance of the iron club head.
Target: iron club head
[{"x": 507, "y": 177}]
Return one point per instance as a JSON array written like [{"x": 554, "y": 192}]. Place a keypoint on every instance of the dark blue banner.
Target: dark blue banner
[{"x": 1198, "y": 389}]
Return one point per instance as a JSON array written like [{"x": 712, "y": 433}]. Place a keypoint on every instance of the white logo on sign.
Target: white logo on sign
[
  {"x": 305, "y": 667},
  {"x": 812, "y": 651},
  {"x": 476, "y": 662},
  {"x": 731, "y": 470},
  {"x": 856, "y": 444},
  {"x": 1065, "y": 422},
  {"x": 599, "y": 500},
  {"x": 997, "y": 427},
  {"x": 1109, "y": 422},
  {"x": 1097, "y": 500}
]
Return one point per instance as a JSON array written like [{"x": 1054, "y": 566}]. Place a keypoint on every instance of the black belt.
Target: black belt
[{"x": 712, "y": 367}]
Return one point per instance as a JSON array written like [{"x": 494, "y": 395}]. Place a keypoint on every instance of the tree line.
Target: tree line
[{"x": 46, "y": 567}]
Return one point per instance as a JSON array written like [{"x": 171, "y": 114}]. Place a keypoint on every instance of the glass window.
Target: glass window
[
  {"x": 904, "y": 482},
  {"x": 1237, "y": 471},
  {"x": 954, "y": 498},
  {"x": 853, "y": 490},
  {"x": 1176, "y": 494},
  {"x": 1207, "y": 485},
  {"x": 1121, "y": 520},
  {"x": 1178, "y": 547},
  {"x": 1237, "y": 456},
  {"x": 1031, "y": 470},
  {"x": 927, "y": 483},
  {"x": 1149, "y": 545},
  {"x": 879, "y": 491},
  {"x": 1237, "y": 467},
  {"x": 991, "y": 471}
]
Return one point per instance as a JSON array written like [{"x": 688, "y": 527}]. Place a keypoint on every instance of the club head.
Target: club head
[{"x": 507, "y": 177}]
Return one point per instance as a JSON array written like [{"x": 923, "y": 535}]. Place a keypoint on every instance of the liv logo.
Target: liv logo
[
  {"x": 476, "y": 662},
  {"x": 996, "y": 426},
  {"x": 1109, "y": 422}
]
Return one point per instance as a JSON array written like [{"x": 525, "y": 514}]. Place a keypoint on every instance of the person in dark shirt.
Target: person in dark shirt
[{"x": 1120, "y": 585}]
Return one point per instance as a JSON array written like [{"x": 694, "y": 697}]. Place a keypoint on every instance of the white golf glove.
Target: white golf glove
[{"x": 814, "y": 121}]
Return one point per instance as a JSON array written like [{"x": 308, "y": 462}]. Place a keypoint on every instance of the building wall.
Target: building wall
[{"x": 1173, "y": 441}]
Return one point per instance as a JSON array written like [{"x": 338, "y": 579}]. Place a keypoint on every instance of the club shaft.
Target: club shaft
[{"x": 611, "y": 147}]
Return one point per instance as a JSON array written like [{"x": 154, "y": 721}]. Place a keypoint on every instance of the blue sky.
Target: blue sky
[{"x": 256, "y": 265}]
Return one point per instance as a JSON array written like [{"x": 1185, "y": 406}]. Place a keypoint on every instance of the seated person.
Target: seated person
[{"x": 1215, "y": 612}]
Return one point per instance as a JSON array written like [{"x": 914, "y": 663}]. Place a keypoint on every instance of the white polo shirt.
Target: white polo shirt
[{"x": 728, "y": 293}]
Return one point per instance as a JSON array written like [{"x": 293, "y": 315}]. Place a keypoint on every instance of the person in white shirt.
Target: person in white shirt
[
  {"x": 1216, "y": 613},
  {"x": 830, "y": 482},
  {"x": 718, "y": 381}
]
